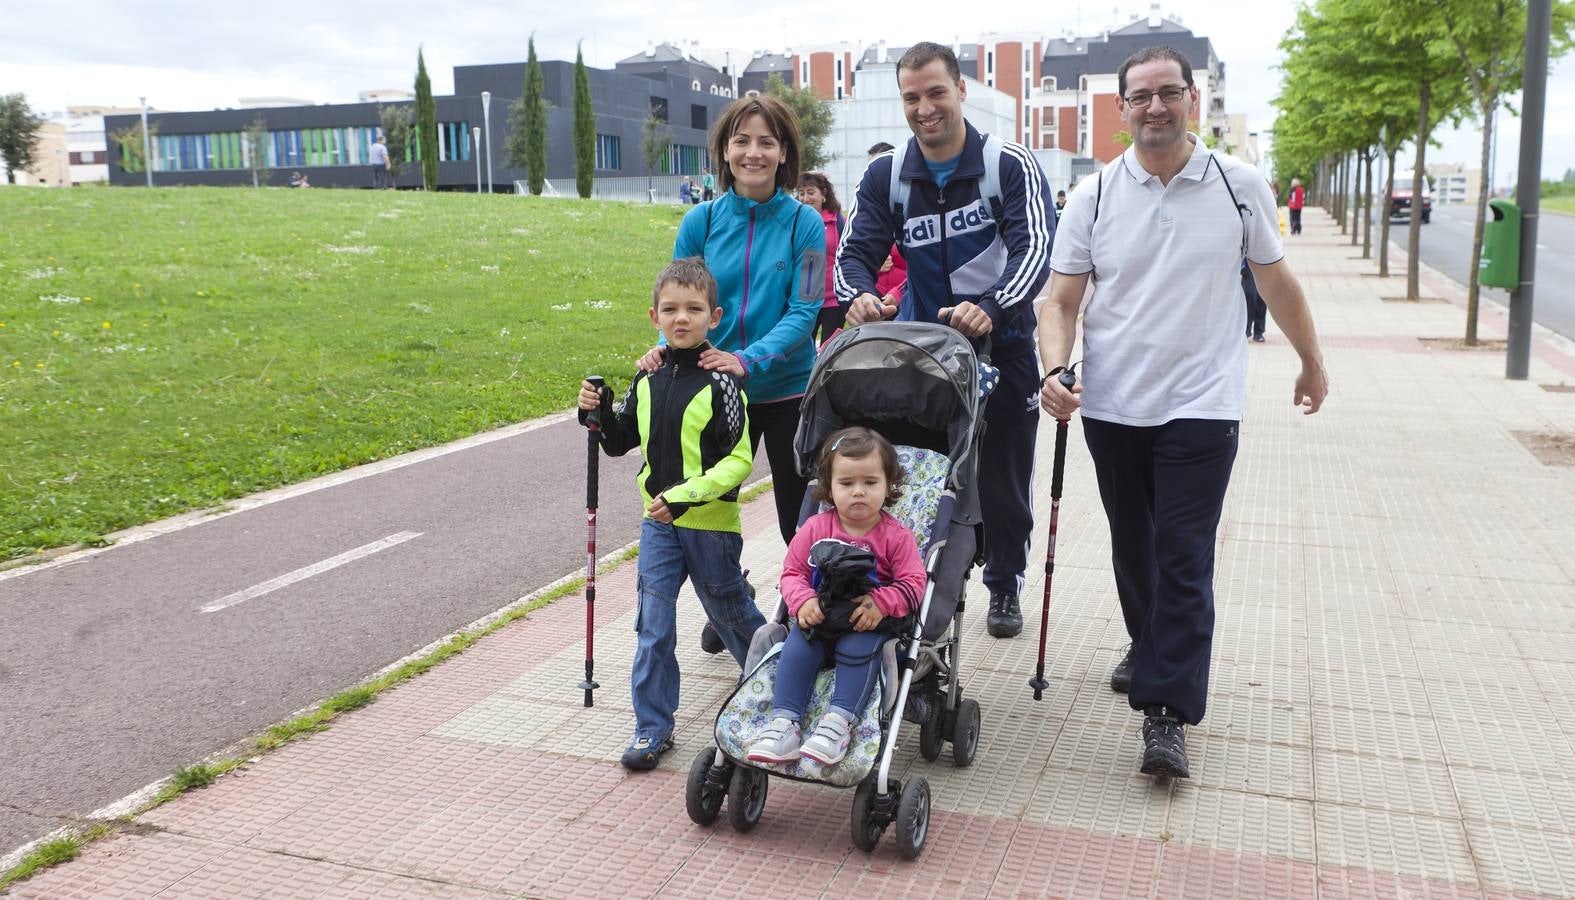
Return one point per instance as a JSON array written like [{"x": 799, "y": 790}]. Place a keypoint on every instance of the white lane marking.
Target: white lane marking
[
  {"x": 305, "y": 572},
  {"x": 140, "y": 533}
]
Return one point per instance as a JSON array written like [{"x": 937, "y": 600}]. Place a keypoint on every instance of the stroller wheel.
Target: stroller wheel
[
  {"x": 965, "y": 733},
  {"x": 867, "y": 826},
  {"x": 913, "y": 817},
  {"x": 932, "y": 731},
  {"x": 746, "y": 798},
  {"x": 703, "y": 800}
]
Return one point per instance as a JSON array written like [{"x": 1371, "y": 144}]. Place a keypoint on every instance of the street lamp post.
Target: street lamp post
[
  {"x": 1533, "y": 107},
  {"x": 486, "y": 120},
  {"x": 147, "y": 144},
  {"x": 475, "y": 150},
  {"x": 60, "y": 169}
]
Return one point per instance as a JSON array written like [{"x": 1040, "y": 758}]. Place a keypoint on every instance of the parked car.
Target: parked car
[{"x": 1400, "y": 203}]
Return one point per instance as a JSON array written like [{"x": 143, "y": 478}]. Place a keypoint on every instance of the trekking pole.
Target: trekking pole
[
  {"x": 593, "y": 425},
  {"x": 1068, "y": 380}
]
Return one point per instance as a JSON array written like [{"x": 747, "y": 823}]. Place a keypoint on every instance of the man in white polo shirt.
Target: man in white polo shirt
[{"x": 1162, "y": 231}]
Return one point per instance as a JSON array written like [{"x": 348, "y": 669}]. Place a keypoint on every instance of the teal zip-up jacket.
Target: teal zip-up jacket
[
  {"x": 769, "y": 261},
  {"x": 693, "y": 429}
]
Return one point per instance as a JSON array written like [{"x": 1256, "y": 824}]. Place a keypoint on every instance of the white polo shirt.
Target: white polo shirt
[{"x": 1164, "y": 333}]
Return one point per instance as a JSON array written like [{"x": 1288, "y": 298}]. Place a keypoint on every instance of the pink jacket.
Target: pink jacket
[
  {"x": 897, "y": 563},
  {"x": 894, "y": 278},
  {"x": 833, "y": 238}
]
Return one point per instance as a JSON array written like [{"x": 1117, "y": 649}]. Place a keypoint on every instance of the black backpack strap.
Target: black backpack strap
[{"x": 1241, "y": 208}]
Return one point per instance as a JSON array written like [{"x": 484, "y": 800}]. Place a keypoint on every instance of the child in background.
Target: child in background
[
  {"x": 858, "y": 474},
  {"x": 696, "y": 450},
  {"x": 816, "y": 192}
]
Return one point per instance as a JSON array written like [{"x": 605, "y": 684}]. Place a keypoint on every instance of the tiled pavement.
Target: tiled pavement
[{"x": 1393, "y": 670}]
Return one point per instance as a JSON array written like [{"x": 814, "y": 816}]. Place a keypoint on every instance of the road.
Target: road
[
  {"x": 1446, "y": 246},
  {"x": 111, "y": 675}
]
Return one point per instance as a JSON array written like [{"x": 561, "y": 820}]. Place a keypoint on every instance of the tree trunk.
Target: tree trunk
[
  {"x": 1339, "y": 193},
  {"x": 1367, "y": 218},
  {"x": 1356, "y": 197},
  {"x": 1474, "y": 287},
  {"x": 1355, "y": 203},
  {"x": 1389, "y": 191},
  {"x": 1413, "y": 263}
]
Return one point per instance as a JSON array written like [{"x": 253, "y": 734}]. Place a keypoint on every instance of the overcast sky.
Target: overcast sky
[{"x": 184, "y": 54}]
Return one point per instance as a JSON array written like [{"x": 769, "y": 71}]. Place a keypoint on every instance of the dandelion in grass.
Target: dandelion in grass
[
  {"x": 504, "y": 332},
  {"x": 598, "y": 304}
]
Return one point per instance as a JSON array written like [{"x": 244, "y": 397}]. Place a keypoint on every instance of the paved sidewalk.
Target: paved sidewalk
[{"x": 1394, "y": 662}]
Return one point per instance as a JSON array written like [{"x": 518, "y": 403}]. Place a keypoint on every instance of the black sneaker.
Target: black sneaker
[
  {"x": 710, "y": 641},
  {"x": 1164, "y": 744},
  {"x": 1121, "y": 675},
  {"x": 645, "y": 753},
  {"x": 1005, "y": 619}
]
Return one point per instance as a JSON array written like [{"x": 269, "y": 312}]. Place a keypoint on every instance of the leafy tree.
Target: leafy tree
[
  {"x": 131, "y": 146},
  {"x": 1489, "y": 37},
  {"x": 654, "y": 138},
  {"x": 526, "y": 146},
  {"x": 395, "y": 120},
  {"x": 584, "y": 128},
  {"x": 815, "y": 120},
  {"x": 426, "y": 124},
  {"x": 256, "y": 139},
  {"x": 19, "y": 127},
  {"x": 1361, "y": 73}
]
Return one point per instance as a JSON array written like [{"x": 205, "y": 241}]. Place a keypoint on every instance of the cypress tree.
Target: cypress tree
[
  {"x": 535, "y": 123},
  {"x": 584, "y": 128},
  {"x": 426, "y": 124}
]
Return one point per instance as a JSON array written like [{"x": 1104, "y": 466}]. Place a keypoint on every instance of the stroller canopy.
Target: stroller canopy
[{"x": 916, "y": 383}]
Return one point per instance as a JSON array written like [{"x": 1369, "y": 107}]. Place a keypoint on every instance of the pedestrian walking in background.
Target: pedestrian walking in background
[
  {"x": 1294, "y": 203},
  {"x": 980, "y": 277},
  {"x": 1162, "y": 231},
  {"x": 707, "y": 184},
  {"x": 816, "y": 192},
  {"x": 1257, "y": 310},
  {"x": 378, "y": 157},
  {"x": 683, "y": 191}
]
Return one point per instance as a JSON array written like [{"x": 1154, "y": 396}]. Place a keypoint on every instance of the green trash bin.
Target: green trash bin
[{"x": 1500, "y": 265}]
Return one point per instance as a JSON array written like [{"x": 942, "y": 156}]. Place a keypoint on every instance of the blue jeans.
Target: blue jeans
[
  {"x": 668, "y": 555},
  {"x": 858, "y": 665}
]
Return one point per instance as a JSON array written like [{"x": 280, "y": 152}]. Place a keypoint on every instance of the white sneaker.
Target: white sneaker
[
  {"x": 829, "y": 743},
  {"x": 776, "y": 743}
]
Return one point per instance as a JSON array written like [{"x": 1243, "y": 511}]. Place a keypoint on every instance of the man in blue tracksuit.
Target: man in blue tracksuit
[{"x": 977, "y": 243}]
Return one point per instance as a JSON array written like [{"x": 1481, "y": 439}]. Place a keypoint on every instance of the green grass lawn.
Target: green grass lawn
[
  {"x": 166, "y": 350},
  {"x": 1562, "y": 204}
]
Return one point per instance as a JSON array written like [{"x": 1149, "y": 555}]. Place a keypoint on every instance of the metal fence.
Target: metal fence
[{"x": 657, "y": 188}]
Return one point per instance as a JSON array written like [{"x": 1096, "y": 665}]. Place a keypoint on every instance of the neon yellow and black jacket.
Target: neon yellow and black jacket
[{"x": 691, "y": 425}]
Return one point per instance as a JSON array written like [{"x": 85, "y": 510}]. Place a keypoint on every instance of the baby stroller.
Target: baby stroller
[{"x": 919, "y": 385}]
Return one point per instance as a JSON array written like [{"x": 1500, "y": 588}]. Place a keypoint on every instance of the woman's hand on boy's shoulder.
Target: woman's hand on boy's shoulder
[
  {"x": 721, "y": 361},
  {"x": 652, "y": 360}
]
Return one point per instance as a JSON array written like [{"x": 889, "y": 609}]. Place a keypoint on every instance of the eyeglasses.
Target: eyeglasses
[{"x": 1166, "y": 95}]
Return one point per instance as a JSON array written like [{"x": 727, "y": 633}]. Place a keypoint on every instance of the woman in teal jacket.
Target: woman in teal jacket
[{"x": 768, "y": 254}]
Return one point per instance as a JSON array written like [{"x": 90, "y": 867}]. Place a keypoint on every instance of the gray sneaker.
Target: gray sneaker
[
  {"x": 776, "y": 743},
  {"x": 829, "y": 743}
]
